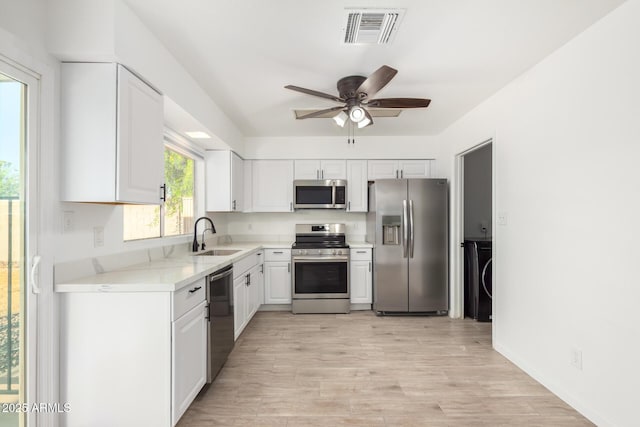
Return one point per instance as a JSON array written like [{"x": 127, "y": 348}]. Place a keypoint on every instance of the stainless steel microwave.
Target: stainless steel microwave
[{"x": 320, "y": 194}]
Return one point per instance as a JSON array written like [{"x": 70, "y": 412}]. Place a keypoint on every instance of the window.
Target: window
[{"x": 176, "y": 216}]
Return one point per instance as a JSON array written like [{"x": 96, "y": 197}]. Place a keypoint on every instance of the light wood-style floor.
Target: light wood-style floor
[{"x": 363, "y": 370}]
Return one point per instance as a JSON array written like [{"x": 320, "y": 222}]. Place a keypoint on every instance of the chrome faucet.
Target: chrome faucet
[{"x": 194, "y": 246}]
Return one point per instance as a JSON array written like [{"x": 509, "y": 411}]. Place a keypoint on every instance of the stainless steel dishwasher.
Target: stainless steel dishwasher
[{"x": 220, "y": 315}]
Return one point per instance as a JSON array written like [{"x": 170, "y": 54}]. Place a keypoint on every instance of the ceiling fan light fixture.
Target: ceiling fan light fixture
[
  {"x": 356, "y": 114},
  {"x": 368, "y": 120},
  {"x": 341, "y": 118}
]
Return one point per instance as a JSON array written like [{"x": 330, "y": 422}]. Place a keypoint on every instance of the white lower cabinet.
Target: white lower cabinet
[
  {"x": 240, "y": 318},
  {"x": 247, "y": 290},
  {"x": 277, "y": 282},
  {"x": 189, "y": 359},
  {"x": 277, "y": 276},
  {"x": 361, "y": 275},
  {"x": 131, "y": 350}
]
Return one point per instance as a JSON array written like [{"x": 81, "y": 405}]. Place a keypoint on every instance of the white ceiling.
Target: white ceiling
[{"x": 455, "y": 52}]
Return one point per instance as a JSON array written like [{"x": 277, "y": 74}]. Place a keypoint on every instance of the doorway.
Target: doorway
[
  {"x": 473, "y": 231},
  {"x": 18, "y": 242}
]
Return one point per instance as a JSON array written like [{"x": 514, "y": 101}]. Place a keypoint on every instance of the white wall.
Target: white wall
[
  {"x": 477, "y": 193},
  {"x": 107, "y": 30},
  {"x": 281, "y": 226},
  {"x": 566, "y": 146}
]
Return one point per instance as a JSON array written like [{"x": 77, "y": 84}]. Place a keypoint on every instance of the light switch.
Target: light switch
[
  {"x": 502, "y": 218},
  {"x": 98, "y": 237},
  {"x": 67, "y": 221}
]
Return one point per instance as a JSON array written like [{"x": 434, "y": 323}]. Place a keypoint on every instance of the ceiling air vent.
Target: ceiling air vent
[{"x": 371, "y": 26}]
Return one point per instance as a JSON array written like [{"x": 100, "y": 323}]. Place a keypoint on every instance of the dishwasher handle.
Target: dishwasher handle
[{"x": 219, "y": 276}]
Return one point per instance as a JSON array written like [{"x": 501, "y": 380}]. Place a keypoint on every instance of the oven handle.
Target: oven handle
[{"x": 321, "y": 259}]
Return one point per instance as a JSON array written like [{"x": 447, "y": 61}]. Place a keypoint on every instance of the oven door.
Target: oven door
[{"x": 320, "y": 277}]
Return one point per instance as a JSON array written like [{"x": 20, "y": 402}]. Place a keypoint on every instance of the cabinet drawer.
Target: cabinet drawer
[
  {"x": 241, "y": 267},
  {"x": 188, "y": 297},
  {"x": 360, "y": 254},
  {"x": 277, "y": 254}
]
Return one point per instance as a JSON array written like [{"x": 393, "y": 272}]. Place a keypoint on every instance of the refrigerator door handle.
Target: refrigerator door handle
[
  {"x": 405, "y": 229},
  {"x": 411, "y": 235}
]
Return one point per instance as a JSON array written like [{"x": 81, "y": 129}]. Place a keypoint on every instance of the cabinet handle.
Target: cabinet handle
[
  {"x": 163, "y": 195},
  {"x": 197, "y": 288},
  {"x": 322, "y": 176},
  {"x": 317, "y": 174},
  {"x": 289, "y": 268},
  {"x": 349, "y": 205},
  {"x": 402, "y": 173},
  {"x": 262, "y": 268},
  {"x": 247, "y": 279},
  {"x": 278, "y": 252},
  {"x": 291, "y": 206},
  {"x": 396, "y": 173},
  {"x": 369, "y": 266},
  {"x": 234, "y": 205},
  {"x": 361, "y": 252}
]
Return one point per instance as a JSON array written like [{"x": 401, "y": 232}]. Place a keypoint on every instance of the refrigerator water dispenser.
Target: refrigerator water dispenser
[{"x": 391, "y": 229}]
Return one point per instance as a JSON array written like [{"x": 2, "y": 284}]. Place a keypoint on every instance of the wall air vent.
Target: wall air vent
[{"x": 371, "y": 26}]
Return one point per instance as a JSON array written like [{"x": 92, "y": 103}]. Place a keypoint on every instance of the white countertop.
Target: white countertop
[
  {"x": 170, "y": 274},
  {"x": 166, "y": 275}
]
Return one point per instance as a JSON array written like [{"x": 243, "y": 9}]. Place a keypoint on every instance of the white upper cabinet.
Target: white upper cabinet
[
  {"x": 320, "y": 169},
  {"x": 357, "y": 186},
  {"x": 399, "y": 169},
  {"x": 414, "y": 168},
  {"x": 224, "y": 182},
  {"x": 272, "y": 189},
  {"x": 112, "y": 145},
  {"x": 248, "y": 190}
]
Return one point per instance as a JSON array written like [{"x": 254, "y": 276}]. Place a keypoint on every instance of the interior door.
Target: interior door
[
  {"x": 18, "y": 241},
  {"x": 428, "y": 278}
]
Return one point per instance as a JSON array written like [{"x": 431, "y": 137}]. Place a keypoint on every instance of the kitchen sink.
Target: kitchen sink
[{"x": 219, "y": 252}]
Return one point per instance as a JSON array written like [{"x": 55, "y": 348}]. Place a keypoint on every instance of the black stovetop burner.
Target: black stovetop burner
[{"x": 319, "y": 236}]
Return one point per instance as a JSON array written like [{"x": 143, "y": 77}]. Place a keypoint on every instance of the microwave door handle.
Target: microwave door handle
[
  {"x": 405, "y": 229},
  {"x": 333, "y": 193}
]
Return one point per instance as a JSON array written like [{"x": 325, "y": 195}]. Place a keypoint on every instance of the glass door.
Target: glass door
[{"x": 16, "y": 133}]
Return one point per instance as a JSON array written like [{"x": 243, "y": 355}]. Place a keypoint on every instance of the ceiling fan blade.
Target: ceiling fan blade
[
  {"x": 376, "y": 81},
  {"x": 399, "y": 103},
  {"x": 314, "y": 93},
  {"x": 320, "y": 112}
]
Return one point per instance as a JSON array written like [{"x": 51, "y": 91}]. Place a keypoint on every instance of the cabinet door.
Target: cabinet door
[
  {"x": 414, "y": 168},
  {"x": 239, "y": 305},
  {"x": 248, "y": 182},
  {"x": 140, "y": 148},
  {"x": 277, "y": 282},
  {"x": 333, "y": 169},
  {"x": 307, "y": 169},
  {"x": 357, "y": 186},
  {"x": 189, "y": 359},
  {"x": 382, "y": 169},
  {"x": 272, "y": 185},
  {"x": 237, "y": 183},
  {"x": 360, "y": 277},
  {"x": 254, "y": 295}
]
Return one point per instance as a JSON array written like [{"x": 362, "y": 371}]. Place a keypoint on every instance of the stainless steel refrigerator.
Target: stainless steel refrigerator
[{"x": 407, "y": 223}]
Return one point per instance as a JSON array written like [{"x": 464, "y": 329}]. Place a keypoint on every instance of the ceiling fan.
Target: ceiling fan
[{"x": 356, "y": 94}]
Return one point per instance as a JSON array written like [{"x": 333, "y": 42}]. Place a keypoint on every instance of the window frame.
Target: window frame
[{"x": 177, "y": 143}]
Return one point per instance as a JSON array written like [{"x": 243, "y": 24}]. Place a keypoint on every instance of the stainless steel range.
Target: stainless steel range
[{"x": 320, "y": 275}]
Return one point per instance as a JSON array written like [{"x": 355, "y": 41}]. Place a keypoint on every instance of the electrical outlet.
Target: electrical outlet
[{"x": 576, "y": 358}]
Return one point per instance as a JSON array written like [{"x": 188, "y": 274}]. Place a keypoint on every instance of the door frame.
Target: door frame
[
  {"x": 457, "y": 290},
  {"x": 42, "y": 145}
]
